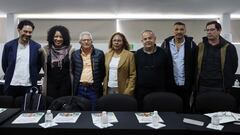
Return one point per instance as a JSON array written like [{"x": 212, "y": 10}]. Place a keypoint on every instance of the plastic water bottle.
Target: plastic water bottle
[
  {"x": 48, "y": 117},
  {"x": 236, "y": 83},
  {"x": 215, "y": 120},
  {"x": 104, "y": 119},
  {"x": 155, "y": 118}
]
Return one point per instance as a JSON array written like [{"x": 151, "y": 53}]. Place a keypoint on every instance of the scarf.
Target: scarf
[{"x": 57, "y": 55}]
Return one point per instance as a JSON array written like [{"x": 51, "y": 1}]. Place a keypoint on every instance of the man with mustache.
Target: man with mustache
[
  {"x": 151, "y": 66},
  {"x": 21, "y": 61},
  {"x": 181, "y": 53},
  {"x": 217, "y": 61}
]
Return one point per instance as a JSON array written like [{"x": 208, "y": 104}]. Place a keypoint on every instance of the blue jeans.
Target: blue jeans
[{"x": 89, "y": 93}]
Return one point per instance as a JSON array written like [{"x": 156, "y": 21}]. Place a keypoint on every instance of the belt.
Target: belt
[{"x": 86, "y": 84}]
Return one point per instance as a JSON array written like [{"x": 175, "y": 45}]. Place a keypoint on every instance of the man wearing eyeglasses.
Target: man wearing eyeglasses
[
  {"x": 217, "y": 61},
  {"x": 88, "y": 69}
]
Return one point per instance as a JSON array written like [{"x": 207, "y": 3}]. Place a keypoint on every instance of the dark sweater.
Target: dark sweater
[
  {"x": 211, "y": 74},
  {"x": 151, "y": 69}
]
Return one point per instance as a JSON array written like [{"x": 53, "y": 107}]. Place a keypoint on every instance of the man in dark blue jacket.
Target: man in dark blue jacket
[
  {"x": 88, "y": 69},
  {"x": 181, "y": 51},
  {"x": 20, "y": 61}
]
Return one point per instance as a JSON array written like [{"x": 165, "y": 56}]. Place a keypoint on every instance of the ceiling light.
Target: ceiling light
[
  {"x": 235, "y": 16},
  {"x": 165, "y": 16},
  {"x": 66, "y": 16},
  {"x": 115, "y": 16}
]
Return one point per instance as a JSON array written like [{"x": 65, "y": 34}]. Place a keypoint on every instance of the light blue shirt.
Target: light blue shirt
[{"x": 178, "y": 62}]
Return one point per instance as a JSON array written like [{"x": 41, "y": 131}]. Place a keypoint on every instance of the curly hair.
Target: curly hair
[
  {"x": 65, "y": 34},
  {"x": 125, "y": 42},
  {"x": 25, "y": 22}
]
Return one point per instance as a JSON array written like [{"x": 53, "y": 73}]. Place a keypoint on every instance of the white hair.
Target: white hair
[{"x": 85, "y": 33}]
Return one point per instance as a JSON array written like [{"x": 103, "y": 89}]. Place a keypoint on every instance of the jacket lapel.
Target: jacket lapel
[
  {"x": 31, "y": 53},
  {"x": 15, "y": 51},
  {"x": 108, "y": 58},
  {"x": 123, "y": 58}
]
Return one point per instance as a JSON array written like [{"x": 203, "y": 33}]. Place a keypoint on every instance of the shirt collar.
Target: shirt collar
[{"x": 172, "y": 42}]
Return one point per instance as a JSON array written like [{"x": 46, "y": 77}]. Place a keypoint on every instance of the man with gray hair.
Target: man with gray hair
[{"x": 88, "y": 69}]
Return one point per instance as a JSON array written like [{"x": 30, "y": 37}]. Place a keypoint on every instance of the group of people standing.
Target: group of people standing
[{"x": 179, "y": 65}]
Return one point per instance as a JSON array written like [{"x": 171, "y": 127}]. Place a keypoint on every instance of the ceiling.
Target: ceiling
[{"x": 191, "y": 7}]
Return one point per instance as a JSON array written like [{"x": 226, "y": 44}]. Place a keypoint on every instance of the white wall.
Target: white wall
[
  {"x": 238, "y": 51},
  {"x": 1, "y": 49},
  {"x": 103, "y": 29}
]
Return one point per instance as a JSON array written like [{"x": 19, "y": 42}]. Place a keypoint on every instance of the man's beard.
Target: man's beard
[{"x": 26, "y": 38}]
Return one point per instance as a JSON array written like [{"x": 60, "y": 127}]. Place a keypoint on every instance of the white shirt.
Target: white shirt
[
  {"x": 113, "y": 72},
  {"x": 21, "y": 75}
]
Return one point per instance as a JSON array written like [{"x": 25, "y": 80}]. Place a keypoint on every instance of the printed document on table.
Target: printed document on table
[
  {"x": 28, "y": 118},
  {"x": 236, "y": 116},
  {"x": 96, "y": 117},
  {"x": 146, "y": 117},
  {"x": 224, "y": 117},
  {"x": 64, "y": 117},
  {"x": 2, "y": 109}
]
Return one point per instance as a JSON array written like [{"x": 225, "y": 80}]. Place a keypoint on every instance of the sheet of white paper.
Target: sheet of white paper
[
  {"x": 224, "y": 117},
  {"x": 2, "y": 109},
  {"x": 28, "y": 118},
  {"x": 215, "y": 127},
  {"x": 146, "y": 117},
  {"x": 100, "y": 125},
  {"x": 48, "y": 124},
  {"x": 66, "y": 117},
  {"x": 2, "y": 81},
  {"x": 159, "y": 125},
  {"x": 236, "y": 116},
  {"x": 96, "y": 117}
]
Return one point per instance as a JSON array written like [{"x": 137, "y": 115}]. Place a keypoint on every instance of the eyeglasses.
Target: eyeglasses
[
  {"x": 212, "y": 29},
  {"x": 85, "y": 40}
]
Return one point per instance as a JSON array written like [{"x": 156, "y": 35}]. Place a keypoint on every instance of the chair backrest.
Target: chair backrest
[
  {"x": 162, "y": 102},
  {"x": 6, "y": 101},
  {"x": 117, "y": 102},
  {"x": 44, "y": 103},
  {"x": 71, "y": 103},
  {"x": 215, "y": 101}
]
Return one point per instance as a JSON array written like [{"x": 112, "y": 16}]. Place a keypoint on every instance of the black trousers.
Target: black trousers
[
  {"x": 16, "y": 91},
  {"x": 185, "y": 94}
]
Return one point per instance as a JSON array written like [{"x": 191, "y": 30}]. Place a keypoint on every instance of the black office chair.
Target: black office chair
[
  {"x": 162, "y": 102},
  {"x": 71, "y": 103},
  {"x": 6, "y": 101},
  {"x": 117, "y": 102},
  {"x": 215, "y": 101}
]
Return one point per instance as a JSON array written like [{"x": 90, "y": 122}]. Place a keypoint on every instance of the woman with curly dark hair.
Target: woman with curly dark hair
[{"x": 56, "y": 62}]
